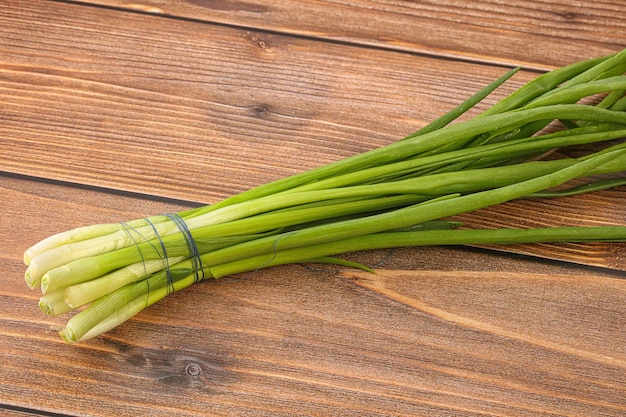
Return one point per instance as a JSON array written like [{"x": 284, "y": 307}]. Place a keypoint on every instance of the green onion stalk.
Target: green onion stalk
[{"x": 402, "y": 194}]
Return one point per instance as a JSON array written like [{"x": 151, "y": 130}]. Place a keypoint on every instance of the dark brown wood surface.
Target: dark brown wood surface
[{"x": 112, "y": 110}]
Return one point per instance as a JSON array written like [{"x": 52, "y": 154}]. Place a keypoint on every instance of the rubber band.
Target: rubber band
[
  {"x": 127, "y": 229},
  {"x": 164, "y": 259},
  {"x": 163, "y": 256},
  {"x": 194, "y": 253}
]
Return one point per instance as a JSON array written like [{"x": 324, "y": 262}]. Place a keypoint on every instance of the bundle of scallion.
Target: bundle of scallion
[{"x": 397, "y": 195}]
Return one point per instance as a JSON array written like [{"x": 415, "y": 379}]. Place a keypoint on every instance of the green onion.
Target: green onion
[{"x": 398, "y": 195}]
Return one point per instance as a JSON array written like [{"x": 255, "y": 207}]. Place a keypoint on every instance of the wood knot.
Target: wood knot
[
  {"x": 260, "y": 111},
  {"x": 567, "y": 16},
  {"x": 257, "y": 40},
  {"x": 193, "y": 369}
]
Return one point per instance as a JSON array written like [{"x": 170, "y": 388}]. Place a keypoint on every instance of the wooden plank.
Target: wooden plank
[
  {"x": 443, "y": 331},
  {"x": 535, "y": 33},
  {"x": 227, "y": 111},
  {"x": 301, "y": 340},
  {"x": 198, "y": 112}
]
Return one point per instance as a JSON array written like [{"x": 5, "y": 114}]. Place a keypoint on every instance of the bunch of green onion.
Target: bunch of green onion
[{"x": 393, "y": 196}]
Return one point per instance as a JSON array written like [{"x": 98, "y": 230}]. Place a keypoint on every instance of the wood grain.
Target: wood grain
[
  {"x": 513, "y": 32},
  {"x": 439, "y": 331},
  {"x": 549, "y": 302},
  {"x": 114, "y": 110},
  {"x": 209, "y": 124},
  {"x": 203, "y": 112}
]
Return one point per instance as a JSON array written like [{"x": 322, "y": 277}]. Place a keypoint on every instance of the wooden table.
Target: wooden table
[{"x": 112, "y": 110}]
